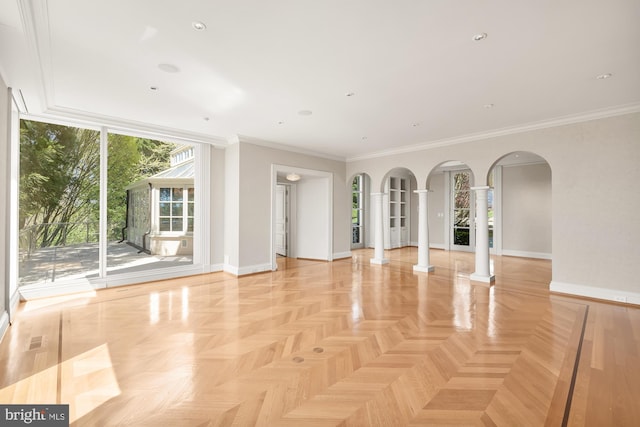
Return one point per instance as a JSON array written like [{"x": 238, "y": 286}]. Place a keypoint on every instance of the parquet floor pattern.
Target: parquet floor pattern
[{"x": 327, "y": 344}]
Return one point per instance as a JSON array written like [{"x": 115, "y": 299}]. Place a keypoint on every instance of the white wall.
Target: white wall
[
  {"x": 312, "y": 218},
  {"x": 217, "y": 207},
  {"x": 595, "y": 168},
  {"x": 231, "y": 257},
  {"x": 526, "y": 210},
  {"x": 435, "y": 200},
  {"x": 5, "y": 141}
]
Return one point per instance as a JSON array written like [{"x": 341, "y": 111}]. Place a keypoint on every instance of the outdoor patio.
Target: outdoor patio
[{"x": 54, "y": 264}]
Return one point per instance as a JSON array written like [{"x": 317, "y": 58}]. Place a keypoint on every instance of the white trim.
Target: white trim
[
  {"x": 283, "y": 147},
  {"x": 103, "y": 202},
  {"x": 428, "y": 269},
  {"x": 249, "y": 269},
  {"x": 526, "y": 254},
  {"x": 593, "y": 292},
  {"x": 484, "y": 279},
  {"x": 342, "y": 255},
  {"x": 436, "y": 246},
  {"x": 543, "y": 124},
  {"x": 497, "y": 210},
  {"x": 15, "y": 300},
  {"x": 4, "y": 324},
  {"x": 29, "y": 292}
]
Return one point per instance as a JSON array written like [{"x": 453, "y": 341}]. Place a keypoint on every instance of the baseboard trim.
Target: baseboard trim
[
  {"x": 526, "y": 254},
  {"x": 436, "y": 246},
  {"x": 342, "y": 255},
  {"x": 613, "y": 295},
  {"x": 4, "y": 324},
  {"x": 249, "y": 269}
]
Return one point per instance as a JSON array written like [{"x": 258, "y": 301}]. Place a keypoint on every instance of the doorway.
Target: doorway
[{"x": 283, "y": 209}]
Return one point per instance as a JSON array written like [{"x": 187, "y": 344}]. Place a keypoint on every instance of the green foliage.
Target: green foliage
[
  {"x": 59, "y": 171},
  {"x": 60, "y": 180}
]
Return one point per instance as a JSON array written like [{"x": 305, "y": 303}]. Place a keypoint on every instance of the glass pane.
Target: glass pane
[
  {"x": 176, "y": 209},
  {"x": 355, "y": 235},
  {"x": 165, "y": 209},
  {"x": 462, "y": 199},
  {"x": 461, "y": 236},
  {"x": 461, "y": 218},
  {"x": 190, "y": 224},
  {"x": 176, "y": 224},
  {"x": 355, "y": 199},
  {"x": 191, "y": 209},
  {"x": 354, "y": 216},
  {"x": 59, "y": 203},
  {"x": 177, "y": 194},
  {"x": 461, "y": 181},
  {"x": 491, "y": 237},
  {"x": 191, "y": 194},
  {"x": 165, "y": 194},
  {"x": 132, "y": 162},
  {"x": 165, "y": 224}
]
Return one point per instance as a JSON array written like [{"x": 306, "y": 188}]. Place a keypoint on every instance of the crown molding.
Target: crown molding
[
  {"x": 68, "y": 116},
  {"x": 284, "y": 147},
  {"x": 544, "y": 124}
]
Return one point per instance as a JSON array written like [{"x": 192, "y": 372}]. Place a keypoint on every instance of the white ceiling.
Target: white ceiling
[{"x": 416, "y": 74}]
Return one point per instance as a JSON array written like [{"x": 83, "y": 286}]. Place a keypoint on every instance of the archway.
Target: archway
[{"x": 521, "y": 205}]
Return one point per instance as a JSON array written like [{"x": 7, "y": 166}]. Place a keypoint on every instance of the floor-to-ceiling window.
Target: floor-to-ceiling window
[
  {"x": 461, "y": 211},
  {"x": 103, "y": 208},
  {"x": 59, "y": 202}
]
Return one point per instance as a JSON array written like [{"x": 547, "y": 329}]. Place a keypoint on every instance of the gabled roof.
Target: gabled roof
[{"x": 182, "y": 173}]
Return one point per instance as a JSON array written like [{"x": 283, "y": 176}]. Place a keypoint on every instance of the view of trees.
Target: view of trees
[{"x": 60, "y": 181}]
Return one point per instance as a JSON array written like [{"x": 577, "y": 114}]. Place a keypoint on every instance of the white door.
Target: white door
[{"x": 281, "y": 220}]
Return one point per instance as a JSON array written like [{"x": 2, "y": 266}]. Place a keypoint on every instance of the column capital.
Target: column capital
[
  {"x": 421, "y": 191},
  {"x": 481, "y": 187}
]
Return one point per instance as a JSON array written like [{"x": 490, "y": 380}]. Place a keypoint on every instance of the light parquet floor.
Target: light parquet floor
[{"x": 327, "y": 344}]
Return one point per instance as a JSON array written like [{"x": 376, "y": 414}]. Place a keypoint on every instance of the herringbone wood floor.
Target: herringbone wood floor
[{"x": 326, "y": 344}]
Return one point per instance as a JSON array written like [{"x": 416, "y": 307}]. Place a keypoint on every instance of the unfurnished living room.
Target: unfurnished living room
[{"x": 319, "y": 213}]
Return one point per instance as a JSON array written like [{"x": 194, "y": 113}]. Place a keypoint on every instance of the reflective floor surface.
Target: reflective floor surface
[{"x": 327, "y": 344}]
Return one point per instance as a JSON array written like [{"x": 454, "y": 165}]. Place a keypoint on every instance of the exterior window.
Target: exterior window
[
  {"x": 461, "y": 208},
  {"x": 357, "y": 211},
  {"x": 176, "y": 209}
]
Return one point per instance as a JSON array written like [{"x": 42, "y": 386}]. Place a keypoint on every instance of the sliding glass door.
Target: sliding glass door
[{"x": 95, "y": 206}]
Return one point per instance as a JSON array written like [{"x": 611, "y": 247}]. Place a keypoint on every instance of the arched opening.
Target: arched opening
[
  {"x": 399, "y": 208},
  {"x": 521, "y": 215}
]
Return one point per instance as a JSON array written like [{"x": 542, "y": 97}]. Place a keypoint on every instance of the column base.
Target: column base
[
  {"x": 421, "y": 269},
  {"x": 482, "y": 278},
  {"x": 379, "y": 261}
]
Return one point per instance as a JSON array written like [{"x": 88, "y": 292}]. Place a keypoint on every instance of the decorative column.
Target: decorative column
[
  {"x": 423, "y": 233},
  {"x": 482, "y": 273},
  {"x": 379, "y": 230}
]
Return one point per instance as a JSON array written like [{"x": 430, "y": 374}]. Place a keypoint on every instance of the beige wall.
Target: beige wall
[
  {"x": 526, "y": 210},
  {"x": 435, "y": 200},
  {"x": 250, "y": 202},
  {"x": 595, "y": 170}
]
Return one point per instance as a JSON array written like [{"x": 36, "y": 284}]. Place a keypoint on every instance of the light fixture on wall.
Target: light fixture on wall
[{"x": 293, "y": 177}]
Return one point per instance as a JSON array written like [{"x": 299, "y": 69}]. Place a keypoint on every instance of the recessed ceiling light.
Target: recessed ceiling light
[
  {"x": 487, "y": 106},
  {"x": 206, "y": 119},
  {"x": 415, "y": 125},
  {"x": 154, "y": 87},
  {"x": 350, "y": 94},
  {"x": 480, "y": 36},
  {"x": 305, "y": 112},
  {"x": 198, "y": 26},
  {"x": 364, "y": 138},
  {"x": 604, "y": 76},
  {"x": 280, "y": 122},
  {"x": 168, "y": 68}
]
